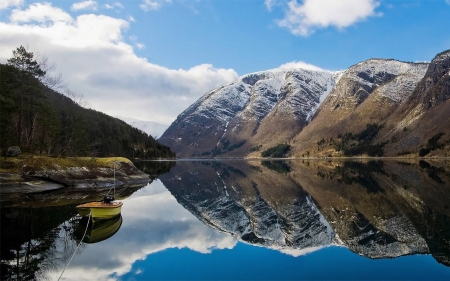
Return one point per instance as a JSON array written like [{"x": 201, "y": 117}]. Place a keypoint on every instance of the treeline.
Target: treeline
[
  {"x": 41, "y": 120},
  {"x": 361, "y": 143},
  {"x": 277, "y": 151}
]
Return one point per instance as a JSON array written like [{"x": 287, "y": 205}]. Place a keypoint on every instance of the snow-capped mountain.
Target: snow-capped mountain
[
  {"x": 226, "y": 117},
  {"x": 151, "y": 128},
  {"x": 312, "y": 109}
]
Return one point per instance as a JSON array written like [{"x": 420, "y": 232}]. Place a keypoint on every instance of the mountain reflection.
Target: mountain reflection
[{"x": 377, "y": 209}]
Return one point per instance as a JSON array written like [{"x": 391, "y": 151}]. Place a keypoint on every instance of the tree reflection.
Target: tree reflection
[{"x": 35, "y": 241}]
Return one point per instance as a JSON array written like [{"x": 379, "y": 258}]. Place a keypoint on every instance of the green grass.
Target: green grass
[{"x": 15, "y": 165}]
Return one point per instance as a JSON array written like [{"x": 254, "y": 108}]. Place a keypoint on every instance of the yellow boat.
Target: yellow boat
[
  {"x": 100, "y": 210},
  {"x": 105, "y": 209}
]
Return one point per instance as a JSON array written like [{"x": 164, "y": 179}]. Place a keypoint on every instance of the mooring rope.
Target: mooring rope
[
  {"x": 114, "y": 184},
  {"x": 79, "y": 244}
]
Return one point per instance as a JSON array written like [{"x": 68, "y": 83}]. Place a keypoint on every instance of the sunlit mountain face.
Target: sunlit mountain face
[{"x": 377, "y": 107}]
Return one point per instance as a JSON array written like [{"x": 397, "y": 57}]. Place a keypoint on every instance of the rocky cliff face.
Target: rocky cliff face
[
  {"x": 303, "y": 108},
  {"x": 367, "y": 93},
  {"x": 424, "y": 113},
  {"x": 434, "y": 89}
]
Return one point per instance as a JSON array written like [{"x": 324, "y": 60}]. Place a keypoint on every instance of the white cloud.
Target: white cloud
[
  {"x": 304, "y": 18},
  {"x": 84, "y": 5},
  {"x": 447, "y": 1},
  {"x": 151, "y": 5},
  {"x": 302, "y": 252},
  {"x": 118, "y": 5},
  {"x": 269, "y": 4},
  {"x": 10, "y": 3},
  {"x": 102, "y": 67},
  {"x": 302, "y": 65},
  {"x": 131, "y": 19},
  {"x": 140, "y": 46},
  {"x": 40, "y": 13}
]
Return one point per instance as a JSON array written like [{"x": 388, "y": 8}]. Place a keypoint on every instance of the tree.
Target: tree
[
  {"x": 29, "y": 91},
  {"x": 41, "y": 120},
  {"x": 8, "y": 106}
]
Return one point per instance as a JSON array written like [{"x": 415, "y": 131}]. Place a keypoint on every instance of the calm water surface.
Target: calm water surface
[{"x": 248, "y": 220}]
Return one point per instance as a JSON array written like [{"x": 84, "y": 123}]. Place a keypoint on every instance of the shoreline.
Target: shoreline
[
  {"x": 29, "y": 175},
  {"x": 298, "y": 158}
]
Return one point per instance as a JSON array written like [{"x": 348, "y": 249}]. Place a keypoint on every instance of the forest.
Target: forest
[{"x": 41, "y": 120}]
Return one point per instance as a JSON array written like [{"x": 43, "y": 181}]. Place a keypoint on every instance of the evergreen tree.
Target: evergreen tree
[{"x": 29, "y": 91}]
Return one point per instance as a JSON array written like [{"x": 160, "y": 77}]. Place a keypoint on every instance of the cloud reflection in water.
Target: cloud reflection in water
[{"x": 153, "y": 221}]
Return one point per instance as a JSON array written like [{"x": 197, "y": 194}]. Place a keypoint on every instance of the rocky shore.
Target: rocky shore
[{"x": 56, "y": 181}]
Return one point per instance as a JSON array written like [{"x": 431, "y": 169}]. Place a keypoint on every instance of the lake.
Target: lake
[{"x": 247, "y": 220}]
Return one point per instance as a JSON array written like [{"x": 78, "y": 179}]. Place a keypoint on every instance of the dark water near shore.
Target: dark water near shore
[{"x": 248, "y": 220}]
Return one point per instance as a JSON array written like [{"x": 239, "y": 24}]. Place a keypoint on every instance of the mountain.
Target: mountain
[
  {"x": 231, "y": 119},
  {"x": 367, "y": 93},
  {"x": 375, "y": 107},
  {"x": 151, "y": 128}
]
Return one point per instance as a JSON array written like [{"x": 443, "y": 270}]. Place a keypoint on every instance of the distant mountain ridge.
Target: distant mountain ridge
[
  {"x": 151, "y": 128},
  {"x": 393, "y": 104}
]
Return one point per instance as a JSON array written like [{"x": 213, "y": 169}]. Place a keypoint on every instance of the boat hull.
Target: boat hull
[{"x": 100, "y": 210}]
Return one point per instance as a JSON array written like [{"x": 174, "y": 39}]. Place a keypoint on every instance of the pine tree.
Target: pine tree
[{"x": 29, "y": 91}]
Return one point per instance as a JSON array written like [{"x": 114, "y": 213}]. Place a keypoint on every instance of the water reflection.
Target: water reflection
[
  {"x": 376, "y": 209},
  {"x": 153, "y": 222},
  {"x": 94, "y": 231},
  {"x": 35, "y": 240}
]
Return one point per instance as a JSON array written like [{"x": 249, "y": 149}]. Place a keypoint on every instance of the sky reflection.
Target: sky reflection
[{"x": 153, "y": 221}]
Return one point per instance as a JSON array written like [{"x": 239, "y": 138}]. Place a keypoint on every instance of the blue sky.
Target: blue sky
[{"x": 151, "y": 59}]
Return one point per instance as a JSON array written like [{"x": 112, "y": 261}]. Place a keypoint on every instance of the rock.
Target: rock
[{"x": 13, "y": 151}]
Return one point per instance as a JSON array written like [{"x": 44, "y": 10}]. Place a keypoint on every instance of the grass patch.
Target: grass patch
[{"x": 38, "y": 162}]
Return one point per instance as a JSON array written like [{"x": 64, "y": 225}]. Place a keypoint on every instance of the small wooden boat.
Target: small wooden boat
[{"x": 100, "y": 210}]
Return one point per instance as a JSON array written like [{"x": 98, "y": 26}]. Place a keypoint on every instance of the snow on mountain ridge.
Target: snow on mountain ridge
[
  {"x": 243, "y": 114},
  {"x": 255, "y": 94},
  {"x": 253, "y": 103},
  {"x": 357, "y": 82}
]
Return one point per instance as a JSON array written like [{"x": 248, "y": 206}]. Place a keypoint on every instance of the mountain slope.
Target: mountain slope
[
  {"x": 378, "y": 107},
  {"x": 233, "y": 118},
  {"x": 424, "y": 114},
  {"x": 367, "y": 92}
]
